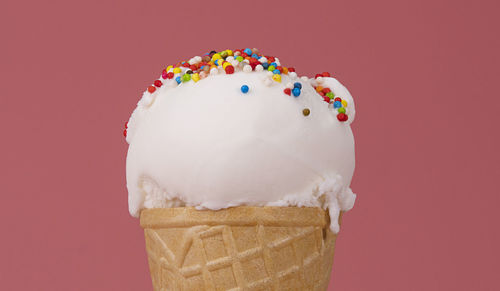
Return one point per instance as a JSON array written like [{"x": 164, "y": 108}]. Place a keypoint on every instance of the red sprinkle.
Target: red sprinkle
[
  {"x": 342, "y": 117},
  {"x": 229, "y": 69},
  {"x": 288, "y": 91},
  {"x": 125, "y": 133},
  {"x": 280, "y": 68},
  {"x": 337, "y": 99},
  {"x": 326, "y": 74},
  {"x": 270, "y": 59},
  {"x": 326, "y": 99},
  {"x": 291, "y": 69},
  {"x": 164, "y": 74},
  {"x": 158, "y": 83},
  {"x": 151, "y": 89},
  {"x": 326, "y": 90},
  {"x": 321, "y": 93},
  {"x": 185, "y": 65},
  {"x": 170, "y": 75},
  {"x": 193, "y": 68},
  {"x": 126, "y": 125},
  {"x": 318, "y": 75},
  {"x": 254, "y": 64}
]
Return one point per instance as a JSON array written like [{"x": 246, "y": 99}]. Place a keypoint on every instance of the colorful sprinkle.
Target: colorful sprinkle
[
  {"x": 229, "y": 69},
  {"x": 158, "y": 83},
  {"x": 342, "y": 117},
  {"x": 248, "y": 60},
  {"x": 186, "y": 78}
]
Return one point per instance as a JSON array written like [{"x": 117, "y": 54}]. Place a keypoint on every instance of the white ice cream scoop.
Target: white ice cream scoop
[{"x": 215, "y": 143}]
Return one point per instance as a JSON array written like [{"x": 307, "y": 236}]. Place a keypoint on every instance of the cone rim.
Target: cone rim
[{"x": 234, "y": 216}]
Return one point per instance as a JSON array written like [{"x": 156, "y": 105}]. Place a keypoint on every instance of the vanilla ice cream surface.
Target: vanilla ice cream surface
[{"x": 238, "y": 128}]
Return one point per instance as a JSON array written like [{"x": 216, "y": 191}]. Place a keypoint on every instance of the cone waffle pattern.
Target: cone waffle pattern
[{"x": 241, "y": 248}]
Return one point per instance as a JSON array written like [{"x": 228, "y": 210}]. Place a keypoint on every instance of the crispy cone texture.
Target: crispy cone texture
[{"x": 239, "y": 248}]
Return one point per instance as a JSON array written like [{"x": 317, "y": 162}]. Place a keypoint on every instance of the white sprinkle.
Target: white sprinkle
[
  {"x": 292, "y": 75},
  {"x": 230, "y": 59},
  {"x": 237, "y": 53},
  {"x": 277, "y": 61},
  {"x": 304, "y": 78},
  {"x": 192, "y": 61},
  {"x": 198, "y": 59},
  {"x": 214, "y": 71},
  {"x": 146, "y": 100},
  {"x": 289, "y": 85},
  {"x": 247, "y": 69},
  {"x": 246, "y": 61},
  {"x": 259, "y": 68},
  {"x": 263, "y": 60},
  {"x": 235, "y": 63},
  {"x": 319, "y": 80}
]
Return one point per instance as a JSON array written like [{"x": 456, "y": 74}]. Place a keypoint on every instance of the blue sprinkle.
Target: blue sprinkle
[
  {"x": 255, "y": 56},
  {"x": 273, "y": 64},
  {"x": 178, "y": 79},
  {"x": 296, "y": 92},
  {"x": 248, "y": 51},
  {"x": 297, "y": 85},
  {"x": 244, "y": 89},
  {"x": 265, "y": 65},
  {"x": 276, "y": 72},
  {"x": 337, "y": 104}
]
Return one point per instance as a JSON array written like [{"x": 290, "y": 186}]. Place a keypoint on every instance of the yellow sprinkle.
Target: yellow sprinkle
[
  {"x": 169, "y": 67},
  {"x": 344, "y": 103},
  {"x": 213, "y": 66},
  {"x": 216, "y": 57},
  {"x": 277, "y": 77},
  {"x": 229, "y": 52},
  {"x": 195, "y": 77},
  {"x": 177, "y": 70},
  {"x": 224, "y": 65}
]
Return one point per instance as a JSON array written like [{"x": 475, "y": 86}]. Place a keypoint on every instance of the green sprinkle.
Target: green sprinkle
[
  {"x": 330, "y": 95},
  {"x": 271, "y": 68},
  {"x": 186, "y": 77},
  {"x": 239, "y": 58},
  {"x": 341, "y": 110}
]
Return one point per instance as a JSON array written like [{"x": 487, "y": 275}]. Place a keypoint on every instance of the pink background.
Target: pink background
[{"x": 424, "y": 75}]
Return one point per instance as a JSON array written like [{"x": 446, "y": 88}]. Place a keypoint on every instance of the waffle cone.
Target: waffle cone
[{"x": 239, "y": 248}]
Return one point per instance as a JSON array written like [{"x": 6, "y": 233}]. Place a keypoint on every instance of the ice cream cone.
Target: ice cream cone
[{"x": 239, "y": 248}]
